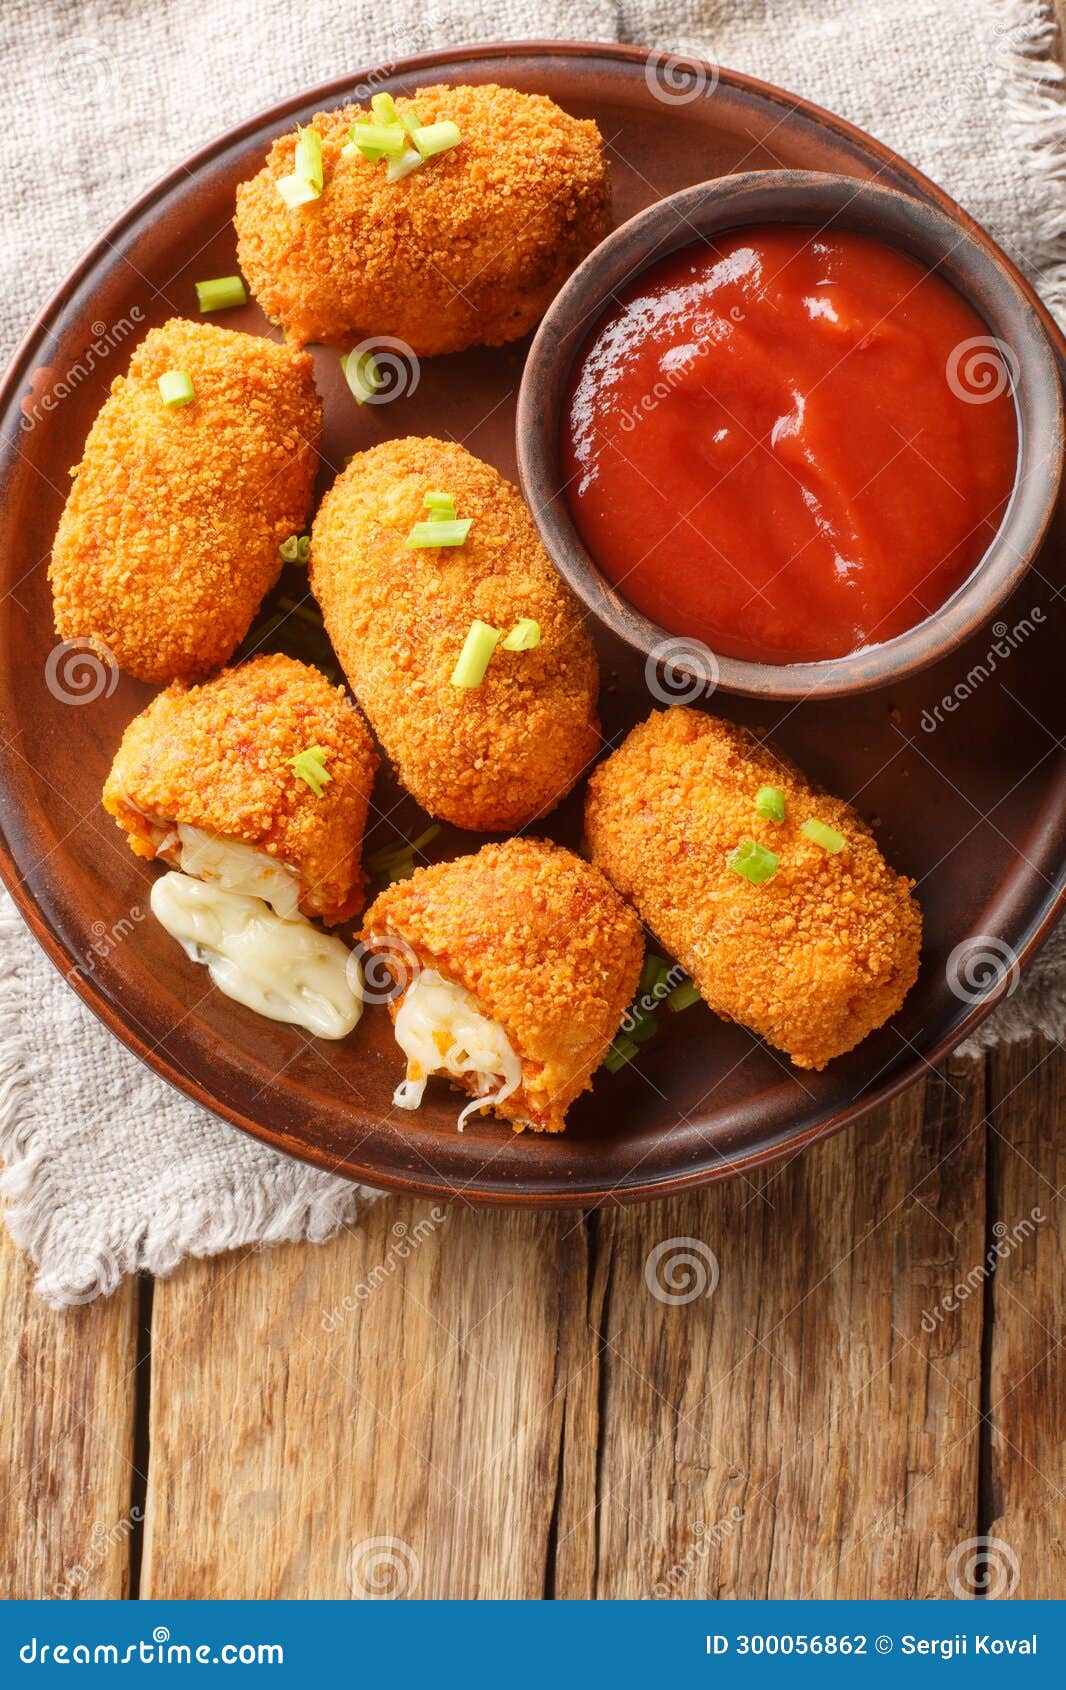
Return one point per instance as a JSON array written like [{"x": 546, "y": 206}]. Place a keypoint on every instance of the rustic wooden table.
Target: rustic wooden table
[
  {"x": 497, "y": 1405},
  {"x": 502, "y": 1399}
]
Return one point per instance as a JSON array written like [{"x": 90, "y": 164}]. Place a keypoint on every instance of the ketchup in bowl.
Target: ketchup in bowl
[{"x": 789, "y": 443}]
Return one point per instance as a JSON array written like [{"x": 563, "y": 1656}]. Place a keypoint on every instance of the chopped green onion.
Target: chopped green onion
[
  {"x": 296, "y": 549},
  {"x": 362, "y": 375},
  {"x": 381, "y": 860},
  {"x": 398, "y": 168},
  {"x": 770, "y": 802},
  {"x": 643, "y": 1025},
  {"x": 310, "y": 766},
  {"x": 409, "y": 118},
  {"x": 176, "y": 389},
  {"x": 401, "y": 868},
  {"x": 827, "y": 837},
  {"x": 378, "y": 139},
  {"x": 221, "y": 294},
  {"x": 753, "y": 862},
  {"x": 682, "y": 997},
  {"x": 523, "y": 636},
  {"x": 441, "y": 506},
  {"x": 296, "y": 190},
  {"x": 621, "y": 1050},
  {"x": 652, "y": 974},
  {"x": 307, "y": 161},
  {"x": 478, "y": 647},
  {"x": 436, "y": 138},
  {"x": 439, "y": 534},
  {"x": 383, "y": 107}
]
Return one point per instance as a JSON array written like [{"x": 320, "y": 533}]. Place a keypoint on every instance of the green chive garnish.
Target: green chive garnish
[
  {"x": 753, "y": 861},
  {"x": 379, "y": 862},
  {"x": 176, "y": 389},
  {"x": 362, "y": 375},
  {"x": 827, "y": 837},
  {"x": 383, "y": 107},
  {"x": 439, "y": 534},
  {"x": 523, "y": 636},
  {"x": 398, "y": 168},
  {"x": 621, "y": 1050},
  {"x": 682, "y": 997},
  {"x": 221, "y": 294},
  {"x": 296, "y": 549},
  {"x": 307, "y": 163},
  {"x": 377, "y": 140},
  {"x": 770, "y": 802},
  {"x": 296, "y": 190},
  {"x": 478, "y": 647},
  {"x": 436, "y": 138},
  {"x": 441, "y": 506},
  {"x": 310, "y": 766}
]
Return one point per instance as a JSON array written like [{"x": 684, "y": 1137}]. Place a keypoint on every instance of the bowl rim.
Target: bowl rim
[{"x": 901, "y": 220}]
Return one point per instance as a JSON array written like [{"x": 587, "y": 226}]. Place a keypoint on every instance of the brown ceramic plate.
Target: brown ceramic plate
[{"x": 972, "y": 799}]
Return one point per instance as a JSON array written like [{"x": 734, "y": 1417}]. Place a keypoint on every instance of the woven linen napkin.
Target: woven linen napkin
[{"x": 107, "y": 1169}]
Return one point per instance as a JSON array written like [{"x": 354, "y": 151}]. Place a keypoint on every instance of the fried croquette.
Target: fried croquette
[
  {"x": 516, "y": 966},
  {"x": 488, "y": 757},
  {"x": 169, "y": 537},
  {"x": 813, "y": 958},
  {"x": 204, "y": 779},
  {"x": 467, "y": 250}
]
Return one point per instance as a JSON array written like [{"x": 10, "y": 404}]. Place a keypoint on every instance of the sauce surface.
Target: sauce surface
[{"x": 786, "y": 443}]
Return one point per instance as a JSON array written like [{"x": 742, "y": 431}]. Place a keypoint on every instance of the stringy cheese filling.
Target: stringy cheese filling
[
  {"x": 285, "y": 970},
  {"x": 236, "y": 868},
  {"x": 441, "y": 1030}
]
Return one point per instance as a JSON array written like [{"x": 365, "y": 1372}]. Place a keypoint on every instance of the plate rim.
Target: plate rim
[{"x": 583, "y": 1194}]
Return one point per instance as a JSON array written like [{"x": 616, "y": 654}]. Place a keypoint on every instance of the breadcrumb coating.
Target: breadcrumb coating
[
  {"x": 492, "y": 757},
  {"x": 217, "y": 757},
  {"x": 169, "y": 537},
  {"x": 545, "y": 945},
  {"x": 467, "y": 250},
  {"x": 814, "y": 958}
]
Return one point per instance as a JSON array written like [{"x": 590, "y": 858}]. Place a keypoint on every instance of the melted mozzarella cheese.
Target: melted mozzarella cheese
[
  {"x": 441, "y": 1030},
  {"x": 238, "y": 868},
  {"x": 286, "y": 970}
]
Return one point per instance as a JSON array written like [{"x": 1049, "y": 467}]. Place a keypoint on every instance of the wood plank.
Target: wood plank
[
  {"x": 66, "y": 1439},
  {"x": 1026, "y": 1513},
  {"x": 382, "y": 1415},
  {"x": 798, "y": 1433}
]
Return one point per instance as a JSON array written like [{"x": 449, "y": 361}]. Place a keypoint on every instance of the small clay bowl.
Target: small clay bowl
[{"x": 962, "y": 255}]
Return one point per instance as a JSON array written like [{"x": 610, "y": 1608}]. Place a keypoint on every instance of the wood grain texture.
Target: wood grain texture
[
  {"x": 66, "y": 1440},
  {"x": 1027, "y": 1372},
  {"x": 498, "y": 1405},
  {"x": 797, "y": 1433},
  {"x": 382, "y": 1416}
]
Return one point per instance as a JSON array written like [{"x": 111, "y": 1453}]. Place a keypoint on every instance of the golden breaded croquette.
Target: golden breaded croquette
[
  {"x": 467, "y": 250},
  {"x": 490, "y": 757},
  {"x": 548, "y": 953},
  {"x": 216, "y": 758},
  {"x": 169, "y": 537},
  {"x": 815, "y": 957}
]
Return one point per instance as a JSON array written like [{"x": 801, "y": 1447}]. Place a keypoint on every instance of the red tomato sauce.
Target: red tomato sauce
[{"x": 789, "y": 443}]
